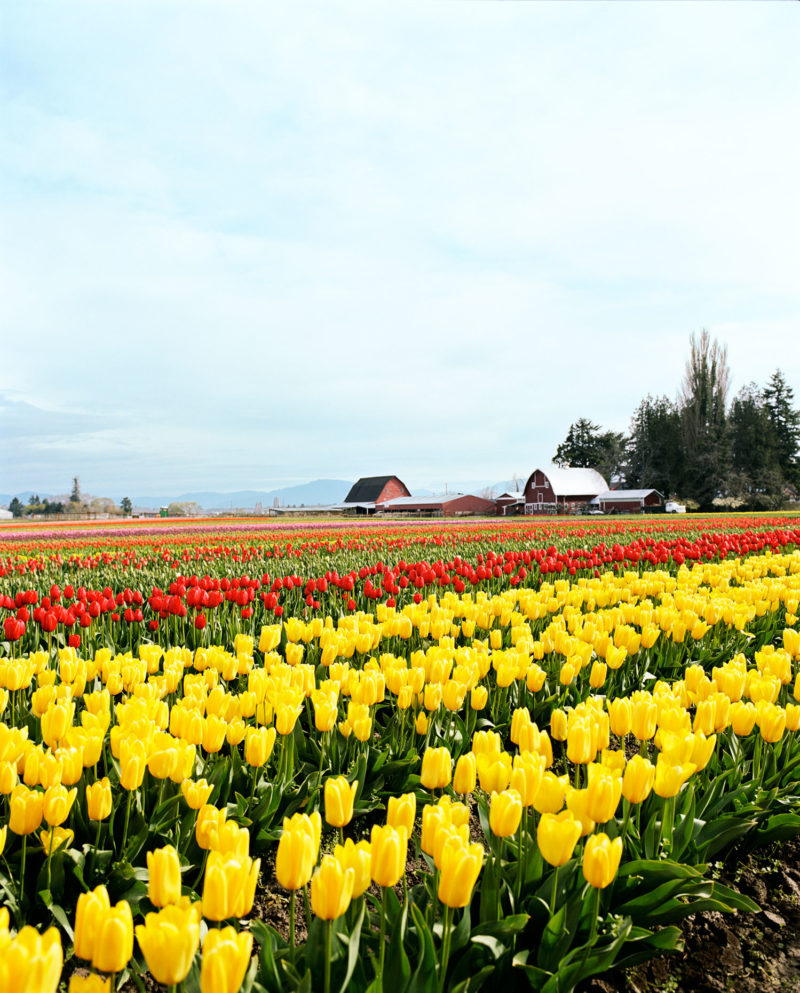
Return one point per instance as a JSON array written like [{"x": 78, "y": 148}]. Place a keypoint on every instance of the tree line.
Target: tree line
[
  {"x": 76, "y": 504},
  {"x": 699, "y": 448}
]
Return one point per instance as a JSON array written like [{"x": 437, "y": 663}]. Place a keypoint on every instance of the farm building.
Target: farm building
[
  {"x": 369, "y": 491},
  {"x": 453, "y": 505},
  {"x": 628, "y": 501},
  {"x": 547, "y": 490},
  {"x": 509, "y": 504}
]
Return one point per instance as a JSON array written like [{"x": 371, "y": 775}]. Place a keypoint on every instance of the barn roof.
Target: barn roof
[
  {"x": 368, "y": 489},
  {"x": 573, "y": 482},
  {"x": 625, "y": 494},
  {"x": 432, "y": 501}
]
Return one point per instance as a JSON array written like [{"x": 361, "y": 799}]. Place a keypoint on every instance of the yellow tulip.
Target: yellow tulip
[
  {"x": 164, "y": 877},
  {"x": 30, "y": 962},
  {"x": 168, "y": 940},
  {"x": 557, "y": 835},
  {"x": 389, "y": 847},
  {"x": 226, "y": 956},
  {"x": 601, "y": 858},
  {"x": 339, "y": 800},
  {"x": 358, "y": 857},
  {"x": 460, "y": 868},
  {"x": 331, "y": 888},
  {"x": 505, "y": 813},
  {"x": 113, "y": 940},
  {"x": 401, "y": 811}
]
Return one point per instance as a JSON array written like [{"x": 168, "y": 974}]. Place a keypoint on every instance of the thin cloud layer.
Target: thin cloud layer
[{"x": 246, "y": 244}]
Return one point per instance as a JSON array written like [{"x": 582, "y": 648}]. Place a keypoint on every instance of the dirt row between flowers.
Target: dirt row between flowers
[{"x": 748, "y": 953}]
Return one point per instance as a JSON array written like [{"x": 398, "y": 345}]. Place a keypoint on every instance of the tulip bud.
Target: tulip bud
[
  {"x": 670, "y": 778},
  {"x": 169, "y": 940},
  {"x": 494, "y": 771},
  {"x": 196, "y": 793},
  {"x": 557, "y": 835},
  {"x": 601, "y": 860},
  {"x": 229, "y": 886},
  {"x": 505, "y": 813},
  {"x": 465, "y": 776},
  {"x": 551, "y": 794},
  {"x": 357, "y": 857},
  {"x": 558, "y": 725},
  {"x": 619, "y": 715},
  {"x": 258, "y": 745},
  {"x": 295, "y": 858},
  {"x": 25, "y": 807},
  {"x": 226, "y": 956},
  {"x": 30, "y": 961},
  {"x": 113, "y": 944},
  {"x": 459, "y": 871},
  {"x": 638, "y": 779},
  {"x": 57, "y": 804},
  {"x": 164, "y": 877},
  {"x": 331, "y": 889},
  {"x": 603, "y": 793},
  {"x": 89, "y": 911},
  {"x": 389, "y": 848},
  {"x": 437, "y": 768},
  {"x": 401, "y": 811},
  {"x": 339, "y": 800},
  {"x": 478, "y": 697},
  {"x": 208, "y": 825},
  {"x": 89, "y": 982}
]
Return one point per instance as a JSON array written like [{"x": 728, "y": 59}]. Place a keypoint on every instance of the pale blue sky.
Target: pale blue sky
[{"x": 243, "y": 244}]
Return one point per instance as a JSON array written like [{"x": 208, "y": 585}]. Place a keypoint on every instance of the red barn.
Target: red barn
[
  {"x": 372, "y": 490},
  {"x": 452, "y": 505},
  {"x": 547, "y": 490},
  {"x": 628, "y": 501}
]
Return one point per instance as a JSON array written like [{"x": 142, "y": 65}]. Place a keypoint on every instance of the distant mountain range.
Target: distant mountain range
[{"x": 319, "y": 492}]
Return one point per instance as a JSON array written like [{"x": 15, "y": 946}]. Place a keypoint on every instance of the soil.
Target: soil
[{"x": 746, "y": 953}]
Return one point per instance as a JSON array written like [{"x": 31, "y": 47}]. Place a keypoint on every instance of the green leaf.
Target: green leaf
[
  {"x": 353, "y": 946},
  {"x": 397, "y": 964},
  {"x": 779, "y": 827},
  {"x": 721, "y": 833},
  {"x": 504, "y": 928},
  {"x": 424, "y": 979},
  {"x": 559, "y": 932}
]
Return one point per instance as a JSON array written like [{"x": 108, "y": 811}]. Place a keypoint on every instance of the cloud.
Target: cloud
[{"x": 420, "y": 239}]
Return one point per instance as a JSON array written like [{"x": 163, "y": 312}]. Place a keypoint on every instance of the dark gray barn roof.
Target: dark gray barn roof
[{"x": 367, "y": 489}]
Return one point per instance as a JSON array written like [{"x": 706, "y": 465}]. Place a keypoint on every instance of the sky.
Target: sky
[{"x": 244, "y": 245}]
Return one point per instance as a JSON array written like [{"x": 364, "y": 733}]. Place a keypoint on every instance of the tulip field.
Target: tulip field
[{"x": 457, "y": 753}]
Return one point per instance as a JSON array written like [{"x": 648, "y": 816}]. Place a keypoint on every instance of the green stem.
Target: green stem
[
  {"x": 291, "y": 925},
  {"x": 328, "y": 932},
  {"x": 50, "y": 855},
  {"x": 93, "y": 852},
  {"x": 447, "y": 937},
  {"x": 554, "y": 892},
  {"x": 383, "y": 936},
  {"x": 127, "y": 821},
  {"x": 22, "y": 869}
]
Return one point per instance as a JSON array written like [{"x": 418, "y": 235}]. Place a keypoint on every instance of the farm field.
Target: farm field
[{"x": 279, "y": 756}]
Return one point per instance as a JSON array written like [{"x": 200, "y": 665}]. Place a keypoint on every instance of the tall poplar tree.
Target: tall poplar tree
[{"x": 702, "y": 401}]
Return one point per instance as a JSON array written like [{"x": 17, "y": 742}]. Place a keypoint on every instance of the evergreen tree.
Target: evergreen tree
[
  {"x": 785, "y": 419},
  {"x": 655, "y": 449},
  {"x": 75, "y": 495},
  {"x": 755, "y": 479},
  {"x": 588, "y": 447}
]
